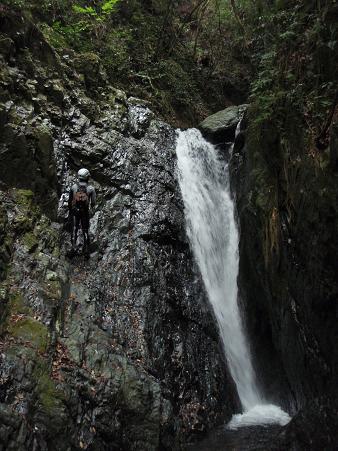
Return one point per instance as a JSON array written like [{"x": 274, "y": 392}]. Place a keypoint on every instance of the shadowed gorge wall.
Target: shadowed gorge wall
[{"x": 287, "y": 206}]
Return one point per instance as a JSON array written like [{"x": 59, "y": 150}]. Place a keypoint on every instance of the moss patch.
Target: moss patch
[
  {"x": 16, "y": 322},
  {"x": 28, "y": 329},
  {"x": 17, "y": 304},
  {"x": 47, "y": 236},
  {"x": 30, "y": 241},
  {"x": 24, "y": 197},
  {"x": 48, "y": 394},
  {"x": 53, "y": 290},
  {"x": 28, "y": 212},
  {"x": 49, "y": 397},
  {"x": 11, "y": 303}
]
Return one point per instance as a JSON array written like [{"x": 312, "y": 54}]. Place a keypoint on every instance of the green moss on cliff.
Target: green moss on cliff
[
  {"x": 27, "y": 210},
  {"x": 17, "y": 304},
  {"x": 17, "y": 322},
  {"x": 30, "y": 330},
  {"x": 49, "y": 397},
  {"x": 30, "y": 241}
]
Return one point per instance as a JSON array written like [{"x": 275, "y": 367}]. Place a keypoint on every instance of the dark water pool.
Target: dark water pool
[{"x": 254, "y": 438}]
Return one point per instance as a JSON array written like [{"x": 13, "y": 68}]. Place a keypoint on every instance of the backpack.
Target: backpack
[{"x": 81, "y": 199}]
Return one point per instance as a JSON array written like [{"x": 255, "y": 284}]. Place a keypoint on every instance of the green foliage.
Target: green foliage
[
  {"x": 14, "y": 3},
  {"x": 164, "y": 49},
  {"x": 293, "y": 51},
  {"x": 89, "y": 10},
  {"x": 109, "y": 6},
  {"x": 63, "y": 35},
  {"x": 99, "y": 12},
  {"x": 116, "y": 53}
]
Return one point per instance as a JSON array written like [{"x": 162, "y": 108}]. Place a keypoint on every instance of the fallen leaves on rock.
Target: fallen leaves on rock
[
  {"x": 61, "y": 360},
  {"x": 16, "y": 318}
]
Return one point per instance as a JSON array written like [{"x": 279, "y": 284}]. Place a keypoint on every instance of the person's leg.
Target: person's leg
[
  {"x": 85, "y": 231},
  {"x": 77, "y": 223}
]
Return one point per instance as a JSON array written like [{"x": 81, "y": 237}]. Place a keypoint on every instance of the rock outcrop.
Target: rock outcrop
[
  {"x": 121, "y": 351},
  {"x": 219, "y": 128}
]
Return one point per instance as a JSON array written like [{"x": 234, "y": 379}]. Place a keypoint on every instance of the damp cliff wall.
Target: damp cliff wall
[
  {"x": 287, "y": 208},
  {"x": 120, "y": 351}
]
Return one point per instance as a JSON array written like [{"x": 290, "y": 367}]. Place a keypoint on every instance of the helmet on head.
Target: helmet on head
[{"x": 83, "y": 175}]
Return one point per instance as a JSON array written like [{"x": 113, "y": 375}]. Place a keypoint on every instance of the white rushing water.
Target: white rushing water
[{"x": 213, "y": 235}]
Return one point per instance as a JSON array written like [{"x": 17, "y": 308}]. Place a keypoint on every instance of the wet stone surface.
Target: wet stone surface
[
  {"x": 119, "y": 351},
  {"x": 254, "y": 438}
]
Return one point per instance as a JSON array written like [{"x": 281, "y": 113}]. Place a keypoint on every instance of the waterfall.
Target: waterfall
[{"x": 213, "y": 235}]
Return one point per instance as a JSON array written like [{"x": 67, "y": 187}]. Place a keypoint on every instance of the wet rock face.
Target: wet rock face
[
  {"x": 314, "y": 427},
  {"x": 120, "y": 351},
  {"x": 140, "y": 281},
  {"x": 288, "y": 220}
]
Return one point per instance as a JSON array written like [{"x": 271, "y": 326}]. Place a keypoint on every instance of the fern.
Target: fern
[
  {"x": 88, "y": 10},
  {"x": 109, "y": 6}
]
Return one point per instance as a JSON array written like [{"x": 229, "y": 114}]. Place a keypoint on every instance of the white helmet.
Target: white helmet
[{"x": 83, "y": 174}]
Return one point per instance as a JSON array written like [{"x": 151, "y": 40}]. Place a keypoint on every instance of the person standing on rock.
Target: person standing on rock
[{"x": 81, "y": 202}]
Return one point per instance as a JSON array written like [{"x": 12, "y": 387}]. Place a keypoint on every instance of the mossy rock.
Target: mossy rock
[
  {"x": 48, "y": 237},
  {"x": 20, "y": 325},
  {"x": 89, "y": 64},
  {"x": 53, "y": 290},
  {"x": 30, "y": 241},
  {"x": 28, "y": 212},
  {"x": 117, "y": 95},
  {"x": 5, "y": 254},
  {"x": 16, "y": 350},
  {"x": 34, "y": 227},
  {"x": 28, "y": 329},
  {"x": 52, "y": 36},
  {"x": 3, "y": 292},
  {"x": 49, "y": 397},
  {"x": 3, "y": 222},
  {"x": 221, "y": 126},
  {"x": 24, "y": 197},
  {"x": 55, "y": 92},
  {"x": 17, "y": 304},
  {"x": 22, "y": 223},
  {"x": 11, "y": 303}
]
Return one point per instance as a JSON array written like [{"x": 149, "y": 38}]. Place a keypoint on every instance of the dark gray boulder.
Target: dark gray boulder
[{"x": 221, "y": 126}]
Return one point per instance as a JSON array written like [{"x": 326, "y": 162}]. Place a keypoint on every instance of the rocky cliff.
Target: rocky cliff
[
  {"x": 120, "y": 351},
  {"x": 287, "y": 206}
]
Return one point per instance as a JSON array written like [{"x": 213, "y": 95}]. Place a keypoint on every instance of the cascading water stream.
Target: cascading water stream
[{"x": 213, "y": 234}]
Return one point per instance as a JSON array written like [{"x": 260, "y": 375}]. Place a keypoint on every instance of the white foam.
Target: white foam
[{"x": 262, "y": 414}]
